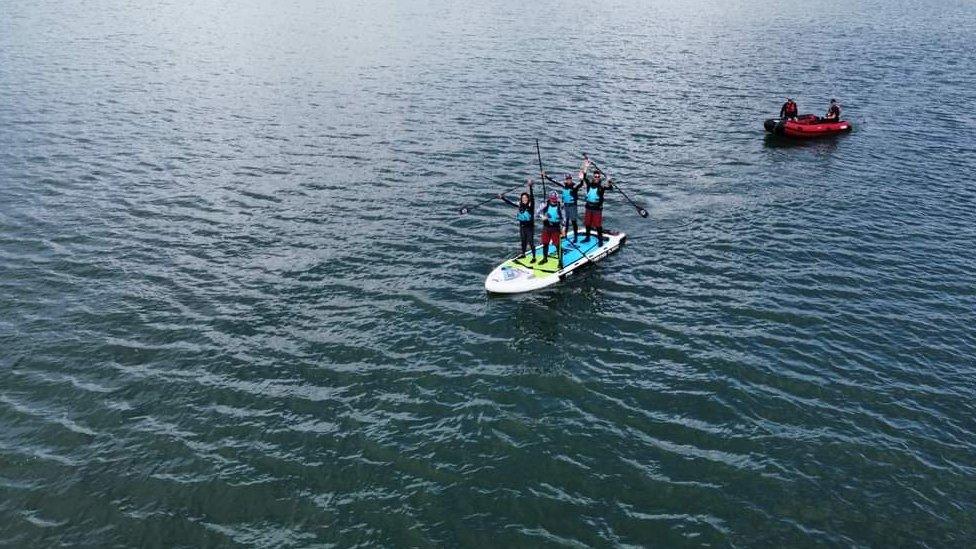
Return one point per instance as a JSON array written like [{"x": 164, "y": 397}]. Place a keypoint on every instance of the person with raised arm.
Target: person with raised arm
[
  {"x": 525, "y": 218},
  {"x": 593, "y": 197}
]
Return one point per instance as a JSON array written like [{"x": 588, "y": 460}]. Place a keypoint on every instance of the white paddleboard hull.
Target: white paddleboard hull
[{"x": 509, "y": 278}]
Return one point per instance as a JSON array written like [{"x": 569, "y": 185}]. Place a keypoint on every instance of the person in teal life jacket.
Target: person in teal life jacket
[
  {"x": 593, "y": 199},
  {"x": 833, "y": 112},
  {"x": 552, "y": 224},
  {"x": 570, "y": 196},
  {"x": 526, "y": 219}
]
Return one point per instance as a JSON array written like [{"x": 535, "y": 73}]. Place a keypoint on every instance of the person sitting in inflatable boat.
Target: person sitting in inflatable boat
[{"x": 833, "y": 113}]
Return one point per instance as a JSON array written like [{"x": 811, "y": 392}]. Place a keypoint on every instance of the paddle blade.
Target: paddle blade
[{"x": 642, "y": 212}]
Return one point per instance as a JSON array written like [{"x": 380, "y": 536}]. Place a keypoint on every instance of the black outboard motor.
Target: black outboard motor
[{"x": 774, "y": 125}]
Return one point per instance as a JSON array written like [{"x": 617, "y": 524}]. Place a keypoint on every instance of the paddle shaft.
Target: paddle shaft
[
  {"x": 641, "y": 211},
  {"x": 542, "y": 172}
]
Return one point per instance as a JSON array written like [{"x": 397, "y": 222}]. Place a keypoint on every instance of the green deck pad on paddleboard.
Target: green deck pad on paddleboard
[{"x": 570, "y": 255}]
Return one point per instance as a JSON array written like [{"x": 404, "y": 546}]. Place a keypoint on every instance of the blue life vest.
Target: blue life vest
[
  {"x": 593, "y": 195},
  {"x": 524, "y": 216},
  {"x": 568, "y": 196},
  {"x": 552, "y": 213}
]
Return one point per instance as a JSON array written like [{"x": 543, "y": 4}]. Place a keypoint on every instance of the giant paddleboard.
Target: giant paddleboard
[{"x": 517, "y": 275}]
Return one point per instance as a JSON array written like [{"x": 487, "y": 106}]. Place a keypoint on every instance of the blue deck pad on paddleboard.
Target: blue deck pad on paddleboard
[{"x": 570, "y": 252}]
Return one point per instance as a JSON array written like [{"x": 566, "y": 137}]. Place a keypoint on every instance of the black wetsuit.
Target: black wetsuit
[
  {"x": 833, "y": 113},
  {"x": 788, "y": 110},
  {"x": 526, "y": 228}
]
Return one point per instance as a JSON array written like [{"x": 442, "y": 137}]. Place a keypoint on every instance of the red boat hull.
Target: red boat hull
[{"x": 806, "y": 126}]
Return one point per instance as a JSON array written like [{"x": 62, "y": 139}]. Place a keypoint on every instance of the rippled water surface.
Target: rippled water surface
[{"x": 238, "y": 305}]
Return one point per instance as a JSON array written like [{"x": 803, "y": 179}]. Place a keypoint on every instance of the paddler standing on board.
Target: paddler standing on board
[
  {"x": 552, "y": 224},
  {"x": 525, "y": 218},
  {"x": 570, "y": 192},
  {"x": 593, "y": 215},
  {"x": 569, "y": 196}
]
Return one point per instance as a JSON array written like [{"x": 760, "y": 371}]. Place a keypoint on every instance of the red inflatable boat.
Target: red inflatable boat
[{"x": 806, "y": 125}]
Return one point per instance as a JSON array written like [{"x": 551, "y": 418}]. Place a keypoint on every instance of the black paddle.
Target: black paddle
[
  {"x": 465, "y": 209},
  {"x": 641, "y": 211},
  {"x": 542, "y": 173}
]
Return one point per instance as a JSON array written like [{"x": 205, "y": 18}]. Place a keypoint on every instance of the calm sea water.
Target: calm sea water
[{"x": 238, "y": 306}]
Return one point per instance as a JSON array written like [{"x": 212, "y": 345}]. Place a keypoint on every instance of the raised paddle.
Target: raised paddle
[
  {"x": 641, "y": 211},
  {"x": 542, "y": 173}
]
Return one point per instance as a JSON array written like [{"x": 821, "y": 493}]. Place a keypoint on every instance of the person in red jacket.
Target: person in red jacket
[{"x": 789, "y": 109}]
